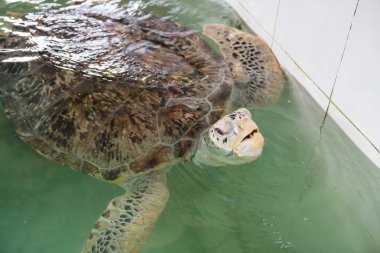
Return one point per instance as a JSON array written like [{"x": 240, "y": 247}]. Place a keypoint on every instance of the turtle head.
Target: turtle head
[
  {"x": 234, "y": 139},
  {"x": 237, "y": 135}
]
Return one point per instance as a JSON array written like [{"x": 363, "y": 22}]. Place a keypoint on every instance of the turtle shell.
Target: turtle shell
[{"x": 110, "y": 91}]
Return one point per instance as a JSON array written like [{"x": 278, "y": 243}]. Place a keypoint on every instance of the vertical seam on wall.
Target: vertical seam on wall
[
  {"x": 275, "y": 23},
  {"x": 339, "y": 66}
]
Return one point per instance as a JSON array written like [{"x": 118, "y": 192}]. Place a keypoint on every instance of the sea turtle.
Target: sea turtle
[{"x": 122, "y": 96}]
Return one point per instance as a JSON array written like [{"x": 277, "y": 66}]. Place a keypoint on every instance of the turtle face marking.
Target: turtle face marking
[{"x": 238, "y": 136}]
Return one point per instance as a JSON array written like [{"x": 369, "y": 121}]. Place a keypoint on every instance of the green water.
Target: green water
[{"x": 311, "y": 191}]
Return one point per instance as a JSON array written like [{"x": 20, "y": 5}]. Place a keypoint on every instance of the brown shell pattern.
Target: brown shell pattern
[{"x": 111, "y": 93}]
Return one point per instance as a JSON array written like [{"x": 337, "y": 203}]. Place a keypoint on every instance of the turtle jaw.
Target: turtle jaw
[
  {"x": 249, "y": 142},
  {"x": 251, "y": 146}
]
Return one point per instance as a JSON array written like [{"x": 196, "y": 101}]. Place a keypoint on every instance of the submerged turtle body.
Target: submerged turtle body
[
  {"x": 121, "y": 95},
  {"x": 111, "y": 93}
]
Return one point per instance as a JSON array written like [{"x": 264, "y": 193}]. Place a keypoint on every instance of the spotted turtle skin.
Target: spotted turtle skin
[{"x": 112, "y": 93}]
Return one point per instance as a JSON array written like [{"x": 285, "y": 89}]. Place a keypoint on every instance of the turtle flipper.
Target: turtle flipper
[
  {"x": 257, "y": 73},
  {"x": 126, "y": 223}
]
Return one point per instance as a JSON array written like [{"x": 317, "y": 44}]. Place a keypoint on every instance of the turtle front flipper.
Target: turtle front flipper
[
  {"x": 256, "y": 71},
  {"x": 128, "y": 220}
]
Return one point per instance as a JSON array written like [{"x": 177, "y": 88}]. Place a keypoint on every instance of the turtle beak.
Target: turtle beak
[
  {"x": 249, "y": 142},
  {"x": 251, "y": 145}
]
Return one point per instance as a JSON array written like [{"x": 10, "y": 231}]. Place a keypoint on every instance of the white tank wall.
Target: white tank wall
[{"x": 332, "y": 47}]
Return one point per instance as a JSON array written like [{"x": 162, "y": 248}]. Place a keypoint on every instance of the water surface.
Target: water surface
[{"x": 311, "y": 191}]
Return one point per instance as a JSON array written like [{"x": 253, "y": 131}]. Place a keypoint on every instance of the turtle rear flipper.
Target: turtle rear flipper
[
  {"x": 256, "y": 71},
  {"x": 128, "y": 220}
]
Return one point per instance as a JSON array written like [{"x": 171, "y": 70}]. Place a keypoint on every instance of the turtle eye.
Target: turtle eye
[{"x": 219, "y": 131}]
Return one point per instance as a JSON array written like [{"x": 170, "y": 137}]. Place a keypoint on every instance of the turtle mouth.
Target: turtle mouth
[
  {"x": 250, "y": 135},
  {"x": 250, "y": 146}
]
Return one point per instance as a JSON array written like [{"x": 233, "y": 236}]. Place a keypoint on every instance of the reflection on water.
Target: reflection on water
[{"x": 310, "y": 191}]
